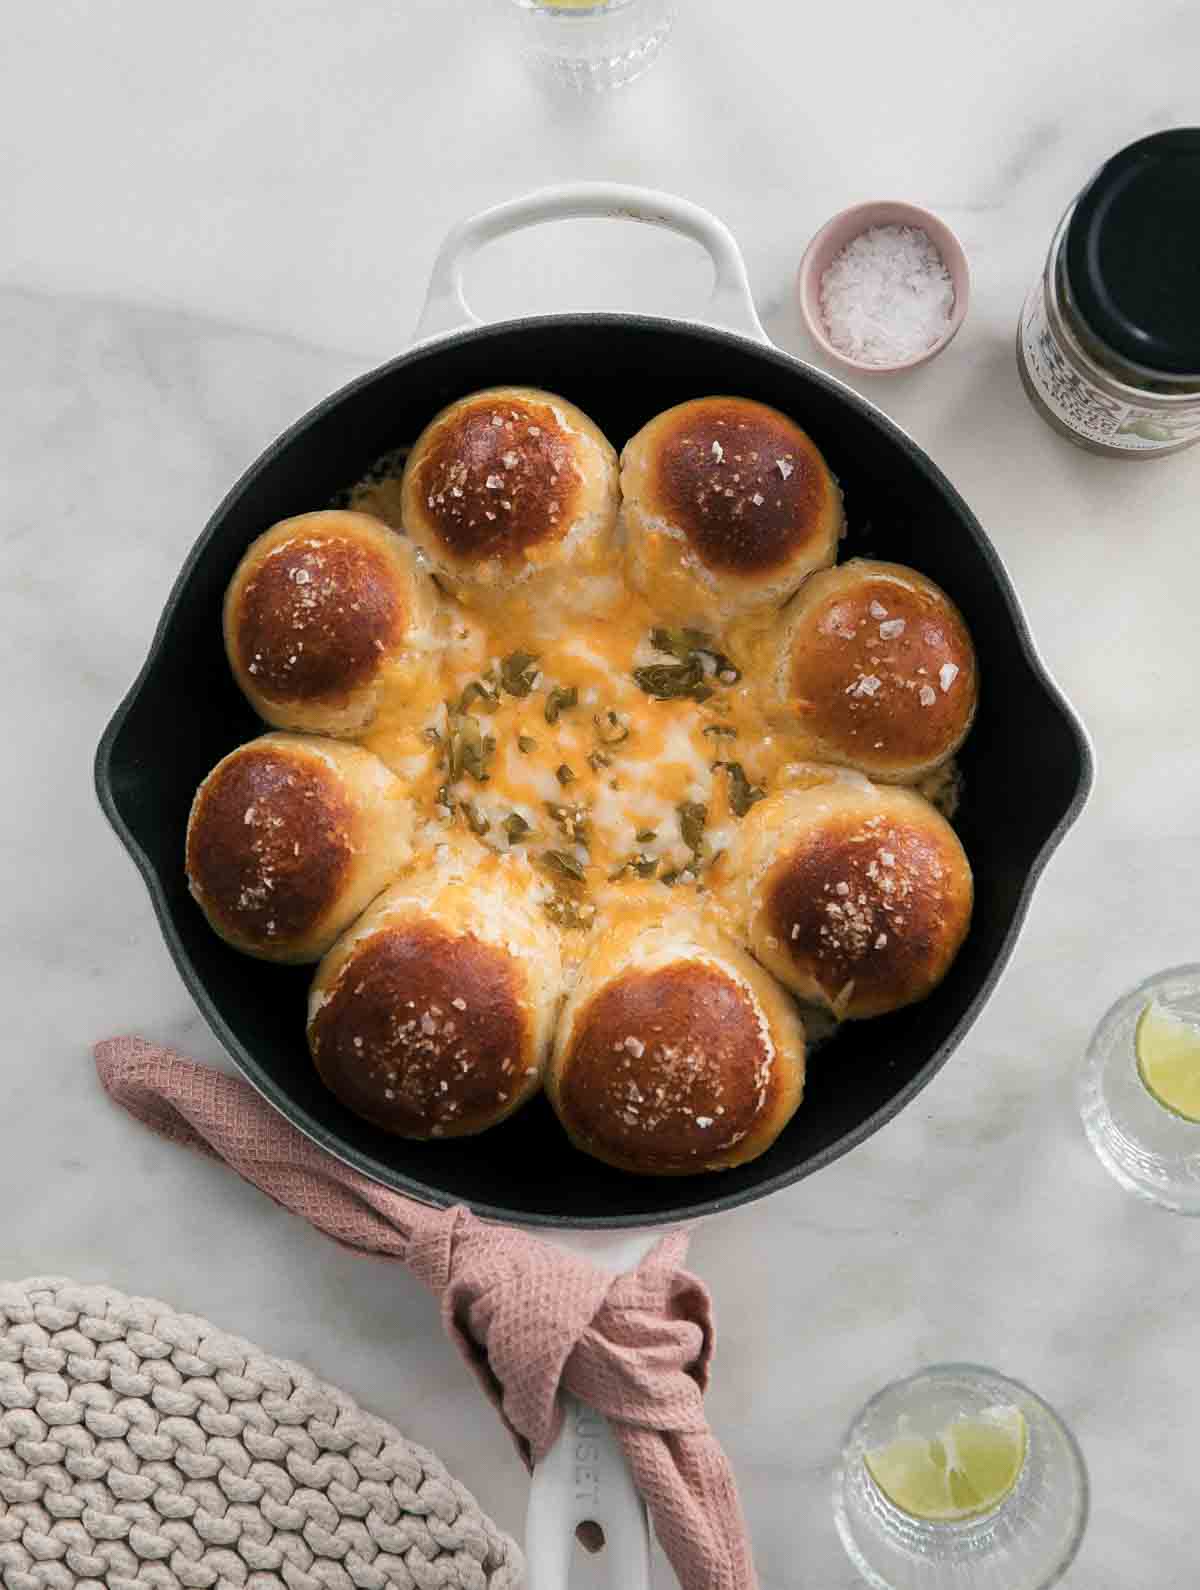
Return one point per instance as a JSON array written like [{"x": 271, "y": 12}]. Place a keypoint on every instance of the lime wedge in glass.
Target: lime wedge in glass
[
  {"x": 964, "y": 1471},
  {"x": 1168, "y": 1058}
]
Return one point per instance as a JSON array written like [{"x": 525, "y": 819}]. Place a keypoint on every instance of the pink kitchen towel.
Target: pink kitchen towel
[{"x": 528, "y": 1317}]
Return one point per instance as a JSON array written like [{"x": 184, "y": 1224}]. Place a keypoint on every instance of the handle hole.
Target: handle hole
[
  {"x": 590, "y": 1535},
  {"x": 567, "y": 267}
]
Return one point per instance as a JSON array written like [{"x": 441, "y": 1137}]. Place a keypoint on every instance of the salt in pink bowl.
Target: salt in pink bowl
[{"x": 849, "y": 224}]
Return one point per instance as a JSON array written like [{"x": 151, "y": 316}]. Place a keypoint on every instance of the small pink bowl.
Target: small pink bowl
[{"x": 842, "y": 229}]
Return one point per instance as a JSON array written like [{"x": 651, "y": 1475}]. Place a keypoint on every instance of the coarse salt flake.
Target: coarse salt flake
[
  {"x": 891, "y": 629},
  {"x": 926, "y": 695},
  {"x": 718, "y": 452},
  {"x": 864, "y": 685},
  {"x": 877, "y": 610},
  {"x": 887, "y": 296},
  {"x": 947, "y": 674},
  {"x": 784, "y": 466}
]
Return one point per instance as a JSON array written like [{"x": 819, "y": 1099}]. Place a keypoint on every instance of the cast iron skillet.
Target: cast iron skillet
[{"x": 1027, "y": 763}]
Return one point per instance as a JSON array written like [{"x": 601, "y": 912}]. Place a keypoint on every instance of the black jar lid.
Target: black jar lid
[{"x": 1133, "y": 253}]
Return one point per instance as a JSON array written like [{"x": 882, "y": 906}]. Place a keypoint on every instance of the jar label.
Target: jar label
[{"x": 1088, "y": 409}]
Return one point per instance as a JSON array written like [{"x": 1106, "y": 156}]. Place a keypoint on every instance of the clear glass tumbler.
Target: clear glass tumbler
[
  {"x": 1025, "y": 1542},
  {"x": 593, "y": 46},
  {"x": 1146, "y": 1147}
]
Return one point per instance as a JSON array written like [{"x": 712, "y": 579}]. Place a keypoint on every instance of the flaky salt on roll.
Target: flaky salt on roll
[
  {"x": 727, "y": 506},
  {"x": 874, "y": 666},
  {"x": 290, "y": 838},
  {"x": 318, "y": 611},
  {"x": 433, "y": 1016},
  {"x": 675, "y": 1053},
  {"x": 507, "y": 488},
  {"x": 855, "y": 896}
]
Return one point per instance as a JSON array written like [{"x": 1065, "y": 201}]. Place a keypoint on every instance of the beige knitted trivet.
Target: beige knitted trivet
[{"x": 140, "y": 1447}]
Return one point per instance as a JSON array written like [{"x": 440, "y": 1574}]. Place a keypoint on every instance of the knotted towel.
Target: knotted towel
[{"x": 527, "y": 1317}]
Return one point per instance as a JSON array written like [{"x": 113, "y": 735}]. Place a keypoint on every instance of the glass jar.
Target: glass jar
[{"x": 1109, "y": 341}]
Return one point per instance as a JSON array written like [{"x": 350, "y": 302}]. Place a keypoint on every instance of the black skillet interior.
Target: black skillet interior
[{"x": 1027, "y": 765}]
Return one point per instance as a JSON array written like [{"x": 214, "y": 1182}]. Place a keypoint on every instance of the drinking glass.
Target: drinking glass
[
  {"x": 593, "y": 46},
  {"x": 1143, "y": 1145},
  {"x": 1025, "y": 1542}
]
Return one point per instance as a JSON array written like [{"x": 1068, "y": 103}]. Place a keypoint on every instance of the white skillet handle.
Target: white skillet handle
[
  {"x": 731, "y": 305},
  {"x": 584, "y": 1476}
]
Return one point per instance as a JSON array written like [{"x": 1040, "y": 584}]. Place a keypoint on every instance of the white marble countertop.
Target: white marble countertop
[{"x": 215, "y": 214}]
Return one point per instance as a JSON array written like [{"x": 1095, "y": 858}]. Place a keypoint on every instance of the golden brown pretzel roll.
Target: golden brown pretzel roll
[
  {"x": 318, "y": 610},
  {"x": 856, "y": 896},
  {"x": 508, "y": 484},
  {"x": 433, "y": 1016},
  {"x": 675, "y": 1053},
  {"x": 727, "y": 506},
  {"x": 876, "y": 668},
  {"x": 290, "y": 838}
]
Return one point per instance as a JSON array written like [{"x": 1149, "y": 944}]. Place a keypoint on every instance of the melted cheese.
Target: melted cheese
[{"x": 665, "y": 761}]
